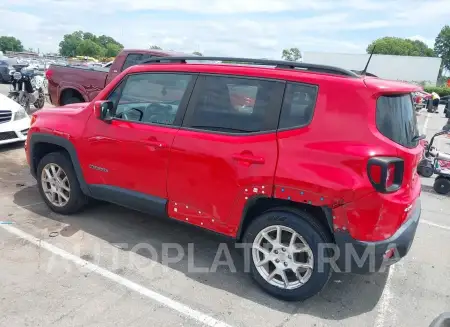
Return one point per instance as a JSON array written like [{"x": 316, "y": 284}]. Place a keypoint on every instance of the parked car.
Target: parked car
[
  {"x": 306, "y": 180},
  {"x": 4, "y": 71},
  {"x": 14, "y": 121},
  {"x": 6, "y": 68},
  {"x": 80, "y": 83}
]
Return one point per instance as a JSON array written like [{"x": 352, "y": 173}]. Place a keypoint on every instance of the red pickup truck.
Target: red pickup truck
[{"x": 73, "y": 84}]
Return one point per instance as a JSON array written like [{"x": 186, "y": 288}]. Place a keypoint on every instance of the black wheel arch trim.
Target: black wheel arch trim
[
  {"x": 252, "y": 201},
  {"x": 37, "y": 137}
]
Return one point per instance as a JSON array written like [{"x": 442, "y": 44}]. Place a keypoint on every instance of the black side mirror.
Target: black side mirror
[{"x": 104, "y": 110}]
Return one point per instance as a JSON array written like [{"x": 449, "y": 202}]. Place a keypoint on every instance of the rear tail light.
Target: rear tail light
[
  {"x": 385, "y": 173},
  {"x": 390, "y": 175}
]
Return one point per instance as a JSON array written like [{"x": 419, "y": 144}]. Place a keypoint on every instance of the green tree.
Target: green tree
[
  {"x": 90, "y": 48},
  {"x": 104, "y": 40},
  {"x": 112, "y": 49},
  {"x": 81, "y": 43},
  {"x": 10, "y": 43},
  {"x": 197, "y": 53},
  {"x": 89, "y": 36},
  {"x": 292, "y": 54},
  {"x": 400, "y": 47},
  {"x": 68, "y": 46},
  {"x": 155, "y": 47},
  {"x": 442, "y": 46}
]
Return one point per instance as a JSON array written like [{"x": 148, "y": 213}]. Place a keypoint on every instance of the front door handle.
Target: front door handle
[
  {"x": 249, "y": 158},
  {"x": 154, "y": 143}
]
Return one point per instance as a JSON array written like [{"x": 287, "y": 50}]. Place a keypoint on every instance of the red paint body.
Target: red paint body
[{"x": 207, "y": 178}]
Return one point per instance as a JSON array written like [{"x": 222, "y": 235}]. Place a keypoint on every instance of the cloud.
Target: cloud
[
  {"x": 206, "y": 6},
  {"x": 12, "y": 21},
  {"x": 260, "y": 28},
  {"x": 429, "y": 42}
]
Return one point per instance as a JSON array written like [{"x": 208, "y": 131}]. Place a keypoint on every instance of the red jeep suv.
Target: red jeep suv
[{"x": 312, "y": 166}]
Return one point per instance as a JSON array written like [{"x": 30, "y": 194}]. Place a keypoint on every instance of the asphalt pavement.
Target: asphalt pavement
[{"x": 110, "y": 266}]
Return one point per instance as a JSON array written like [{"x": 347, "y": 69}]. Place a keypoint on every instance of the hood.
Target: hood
[
  {"x": 79, "y": 105},
  {"x": 68, "y": 109},
  {"x": 8, "y": 104}
]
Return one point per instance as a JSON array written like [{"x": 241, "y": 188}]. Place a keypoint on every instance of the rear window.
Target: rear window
[
  {"x": 135, "y": 58},
  {"x": 396, "y": 119},
  {"x": 298, "y": 105}
]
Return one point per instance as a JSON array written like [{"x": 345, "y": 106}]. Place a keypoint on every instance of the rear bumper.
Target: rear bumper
[{"x": 353, "y": 256}]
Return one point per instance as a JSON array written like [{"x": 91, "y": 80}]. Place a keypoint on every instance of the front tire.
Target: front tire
[
  {"x": 58, "y": 184},
  {"x": 285, "y": 258}
]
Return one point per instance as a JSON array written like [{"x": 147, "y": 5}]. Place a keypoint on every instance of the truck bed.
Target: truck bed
[
  {"x": 98, "y": 69},
  {"x": 91, "y": 80}
]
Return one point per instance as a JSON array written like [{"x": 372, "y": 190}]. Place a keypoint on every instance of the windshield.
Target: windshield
[{"x": 396, "y": 119}]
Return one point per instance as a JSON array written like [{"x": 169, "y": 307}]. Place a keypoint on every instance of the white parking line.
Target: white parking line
[
  {"x": 174, "y": 305},
  {"x": 427, "y": 222},
  {"x": 384, "y": 303},
  {"x": 425, "y": 124}
]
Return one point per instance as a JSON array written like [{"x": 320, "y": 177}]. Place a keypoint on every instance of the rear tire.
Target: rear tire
[
  {"x": 310, "y": 235},
  {"x": 442, "y": 185},
  {"x": 72, "y": 199}
]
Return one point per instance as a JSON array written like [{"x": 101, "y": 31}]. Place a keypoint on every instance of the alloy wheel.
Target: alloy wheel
[
  {"x": 55, "y": 185},
  {"x": 282, "y": 257}
]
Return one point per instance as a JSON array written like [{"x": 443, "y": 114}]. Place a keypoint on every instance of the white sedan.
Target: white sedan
[{"x": 14, "y": 121}]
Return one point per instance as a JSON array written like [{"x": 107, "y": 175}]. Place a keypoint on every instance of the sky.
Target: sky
[{"x": 244, "y": 28}]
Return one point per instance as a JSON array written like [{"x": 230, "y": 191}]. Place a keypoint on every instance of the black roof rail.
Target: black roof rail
[{"x": 264, "y": 62}]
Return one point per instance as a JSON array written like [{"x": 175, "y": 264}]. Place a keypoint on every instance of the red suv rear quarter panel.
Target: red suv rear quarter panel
[
  {"x": 327, "y": 158},
  {"x": 325, "y": 163}
]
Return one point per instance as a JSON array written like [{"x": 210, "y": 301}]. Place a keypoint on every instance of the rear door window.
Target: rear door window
[
  {"x": 234, "y": 105},
  {"x": 396, "y": 119}
]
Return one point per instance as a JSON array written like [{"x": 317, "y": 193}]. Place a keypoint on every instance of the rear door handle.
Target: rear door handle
[{"x": 249, "y": 158}]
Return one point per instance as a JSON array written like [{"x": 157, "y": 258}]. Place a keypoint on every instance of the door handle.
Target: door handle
[
  {"x": 155, "y": 143},
  {"x": 249, "y": 158}
]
